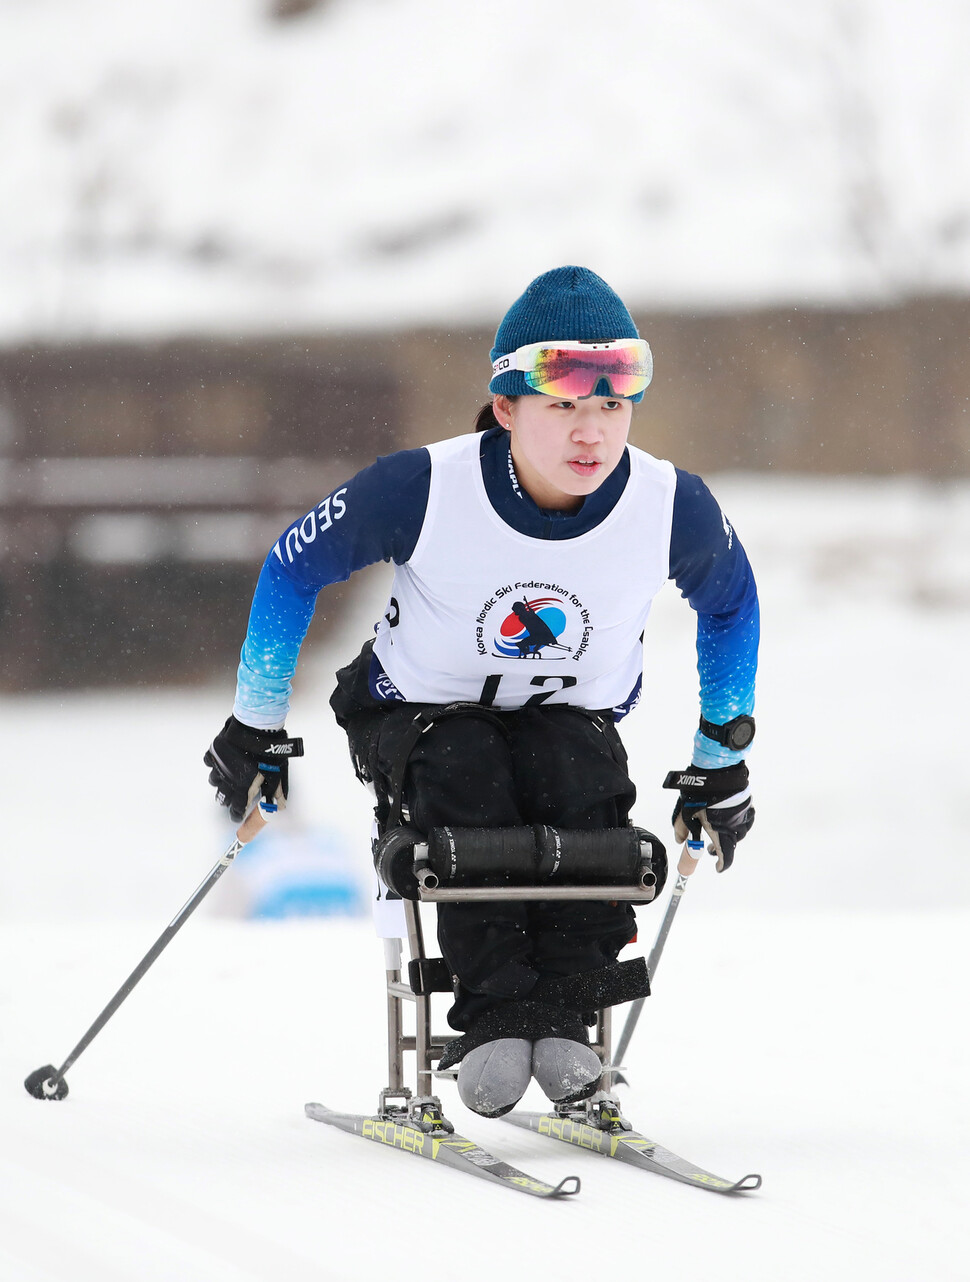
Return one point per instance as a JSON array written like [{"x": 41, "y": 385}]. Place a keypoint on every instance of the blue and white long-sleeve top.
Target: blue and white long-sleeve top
[{"x": 379, "y": 515}]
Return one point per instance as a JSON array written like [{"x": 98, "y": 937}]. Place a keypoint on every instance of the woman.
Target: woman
[{"x": 527, "y": 556}]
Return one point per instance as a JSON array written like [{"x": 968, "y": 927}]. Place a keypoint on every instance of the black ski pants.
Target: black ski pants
[{"x": 536, "y": 765}]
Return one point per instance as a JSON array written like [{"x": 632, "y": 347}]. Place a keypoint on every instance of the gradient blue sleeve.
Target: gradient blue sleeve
[
  {"x": 711, "y": 569},
  {"x": 375, "y": 516}
]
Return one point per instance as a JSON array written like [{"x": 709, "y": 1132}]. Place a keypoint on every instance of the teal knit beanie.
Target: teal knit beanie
[{"x": 568, "y": 303}]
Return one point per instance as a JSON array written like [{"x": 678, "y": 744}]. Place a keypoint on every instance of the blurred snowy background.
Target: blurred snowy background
[
  {"x": 245, "y": 245},
  {"x": 243, "y": 165}
]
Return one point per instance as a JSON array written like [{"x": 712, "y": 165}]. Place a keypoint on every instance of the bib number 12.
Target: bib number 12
[{"x": 490, "y": 689}]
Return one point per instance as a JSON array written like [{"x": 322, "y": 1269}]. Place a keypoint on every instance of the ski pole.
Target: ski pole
[
  {"x": 49, "y": 1082},
  {"x": 689, "y": 858}
]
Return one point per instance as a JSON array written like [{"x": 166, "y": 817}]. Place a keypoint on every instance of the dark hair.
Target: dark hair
[{"x": 486, "y": 416}]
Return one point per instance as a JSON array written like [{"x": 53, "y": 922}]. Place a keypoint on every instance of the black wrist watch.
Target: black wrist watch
[{"x": 736, "y": 734}]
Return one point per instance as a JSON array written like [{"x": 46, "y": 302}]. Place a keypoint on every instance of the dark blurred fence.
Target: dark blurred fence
[
  {"x": 141, "y": 485},
  {"x": 877, "y": 392}
]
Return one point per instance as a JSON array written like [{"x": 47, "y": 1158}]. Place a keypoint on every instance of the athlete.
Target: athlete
[{"x": 527, "y": 555}]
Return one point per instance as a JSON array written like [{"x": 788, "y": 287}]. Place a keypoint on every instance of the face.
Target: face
[{"x": 564, "y": 450}]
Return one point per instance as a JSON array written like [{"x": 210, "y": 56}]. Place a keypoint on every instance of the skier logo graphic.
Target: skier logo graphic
[{"x": 532, "y": 627}]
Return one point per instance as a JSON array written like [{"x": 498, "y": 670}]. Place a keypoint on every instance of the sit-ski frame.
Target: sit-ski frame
[
  {"x": 424, "y": 1043},
  {"x": 416, "y": 1123}
]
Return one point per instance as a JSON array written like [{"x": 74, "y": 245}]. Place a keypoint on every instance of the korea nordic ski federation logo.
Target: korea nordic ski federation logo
[{"x": 531, "y": 620}]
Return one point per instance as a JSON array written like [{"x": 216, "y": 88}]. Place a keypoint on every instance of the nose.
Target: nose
[{"x": 587, "y": 427}]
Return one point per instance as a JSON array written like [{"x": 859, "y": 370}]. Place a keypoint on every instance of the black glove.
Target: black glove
[
  {"x": 717, "y": 801},
  {"x": 245, "y": 761}
]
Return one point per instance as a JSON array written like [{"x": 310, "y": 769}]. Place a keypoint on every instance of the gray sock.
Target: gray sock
[
  {"x": 564, "y": 1068},
  {"x": 493, "y": 1078}
]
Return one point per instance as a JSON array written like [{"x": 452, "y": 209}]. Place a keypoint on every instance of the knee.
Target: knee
[{"x": 460, "y": 772}]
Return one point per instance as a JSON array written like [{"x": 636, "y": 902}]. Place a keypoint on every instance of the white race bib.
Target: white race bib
[{"x": 481, "y": 613}]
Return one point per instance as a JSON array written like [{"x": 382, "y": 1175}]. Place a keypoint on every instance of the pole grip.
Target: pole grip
[
  {"x": 254, "y": 823},
  {"x": 688, "y": 860}
]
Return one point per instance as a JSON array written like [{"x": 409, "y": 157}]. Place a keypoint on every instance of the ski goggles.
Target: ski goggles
[{"x": 573, "y": 370}]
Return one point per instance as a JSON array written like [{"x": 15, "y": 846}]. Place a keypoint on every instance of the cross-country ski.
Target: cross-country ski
[
  {"x": 601, "y": 1128},
  {"x": 439, "y": 1143}
]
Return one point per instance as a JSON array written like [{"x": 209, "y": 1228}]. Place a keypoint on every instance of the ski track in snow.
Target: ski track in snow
[{"x": 807, "y": 1021}]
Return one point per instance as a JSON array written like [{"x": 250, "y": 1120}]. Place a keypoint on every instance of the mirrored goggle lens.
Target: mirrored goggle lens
[{"x": 572, "y": 374}]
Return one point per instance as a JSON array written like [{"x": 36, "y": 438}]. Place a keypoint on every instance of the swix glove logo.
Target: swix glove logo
[
  {"x": 691, "y": 781},
  {"x": 532, "y": 620},
  {"x": 278, "y": 750}
]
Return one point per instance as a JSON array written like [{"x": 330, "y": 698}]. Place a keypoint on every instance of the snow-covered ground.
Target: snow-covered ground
[
  {"x": 808, "y": 1020},
  {"x": 194, "y": 167},
  {"x": 826, "y": 1051}
]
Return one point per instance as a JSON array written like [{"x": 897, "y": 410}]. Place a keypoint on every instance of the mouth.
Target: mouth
[{"x": 584, "y": 466}]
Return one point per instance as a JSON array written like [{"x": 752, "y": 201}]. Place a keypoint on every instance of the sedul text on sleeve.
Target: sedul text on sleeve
[{"x": 316, "y": 521}]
